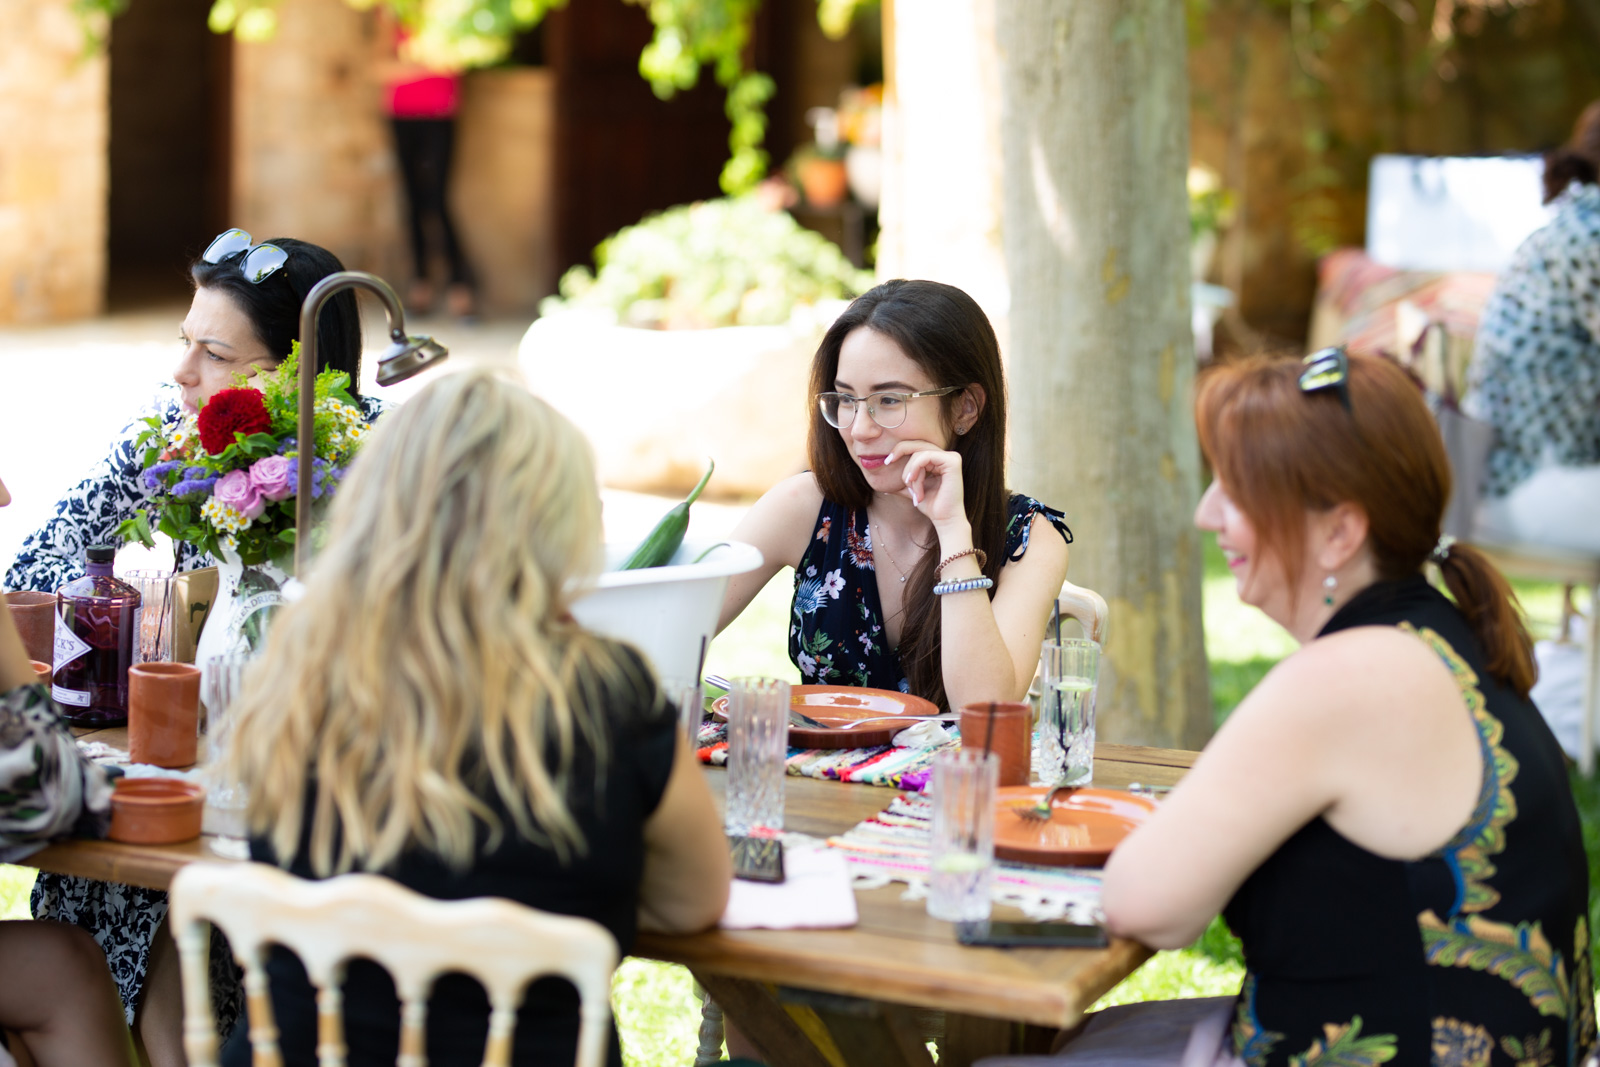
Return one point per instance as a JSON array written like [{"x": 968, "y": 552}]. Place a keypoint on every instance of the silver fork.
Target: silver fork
[
  {"x": 853, "y": 723},
  {"x": 1041, "y": 810}
]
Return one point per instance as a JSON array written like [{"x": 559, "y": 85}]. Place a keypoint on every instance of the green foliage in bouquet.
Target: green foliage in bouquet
[
  {"x": 225, "y": 477},
  {"x": 725, "y": 262}
]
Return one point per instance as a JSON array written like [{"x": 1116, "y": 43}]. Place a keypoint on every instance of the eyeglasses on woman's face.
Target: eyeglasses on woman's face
[
  {"x": 259, "y": 263},
  {"x": 886, "y": 409}
]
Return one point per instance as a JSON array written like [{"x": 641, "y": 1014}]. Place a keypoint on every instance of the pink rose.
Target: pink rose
[
  {"x": 234, "y": 489},
  {"x": 270, "y": 477}
]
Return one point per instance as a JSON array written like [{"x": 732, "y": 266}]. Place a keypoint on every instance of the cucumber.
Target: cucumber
[{"x": 663, "y": 541}]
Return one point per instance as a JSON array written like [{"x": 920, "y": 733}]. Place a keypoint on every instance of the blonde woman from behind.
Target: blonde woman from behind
[{"x": 430, "y": 711}]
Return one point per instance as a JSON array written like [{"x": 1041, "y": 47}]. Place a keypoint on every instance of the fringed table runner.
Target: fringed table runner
[
  {"x": 892, "y": 846},
  {"x": 885, "y": 765}
]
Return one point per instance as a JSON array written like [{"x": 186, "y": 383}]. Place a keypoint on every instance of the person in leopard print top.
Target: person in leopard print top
[{"x": 1536, "y": 375}]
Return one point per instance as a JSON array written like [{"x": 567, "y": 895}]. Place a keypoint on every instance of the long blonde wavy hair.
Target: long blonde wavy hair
[{"x": 433, "y": 645}]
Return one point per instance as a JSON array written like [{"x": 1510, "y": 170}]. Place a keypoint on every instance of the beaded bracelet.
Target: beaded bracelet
[
  {"x": 964, "y": 585},
  {"x": 983, "y": 560}
]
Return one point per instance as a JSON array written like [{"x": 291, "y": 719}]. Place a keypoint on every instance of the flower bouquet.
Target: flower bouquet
[{"x": 224, "y": 479}]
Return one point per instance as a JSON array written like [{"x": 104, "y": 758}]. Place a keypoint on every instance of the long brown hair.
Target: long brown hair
[
  {"x": 946, "y": 333},
  {"x": 1281, "y": 453}
]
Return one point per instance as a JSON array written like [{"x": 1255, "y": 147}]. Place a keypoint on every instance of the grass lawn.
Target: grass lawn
[{"x": 657, "y": 1013}]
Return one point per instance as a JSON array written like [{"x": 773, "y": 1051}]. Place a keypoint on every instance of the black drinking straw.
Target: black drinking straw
[
  {"x": 701, "y": 669},
  {"x": 988, "y": 734},
  {"x": 1058, "y": 620}
]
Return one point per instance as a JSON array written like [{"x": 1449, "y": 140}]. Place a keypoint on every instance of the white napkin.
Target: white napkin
[
  {"x": 815, "y": 895},
  {"x": 925, "y": 734}
]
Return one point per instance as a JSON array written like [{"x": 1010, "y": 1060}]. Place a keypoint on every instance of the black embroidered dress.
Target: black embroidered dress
[
  {"x": 1475, "y": 955},
  {"x": 836, "y": 634}
]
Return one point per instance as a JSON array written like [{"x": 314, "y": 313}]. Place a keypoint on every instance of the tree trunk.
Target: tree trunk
[{"x": 1095, "y": 139}]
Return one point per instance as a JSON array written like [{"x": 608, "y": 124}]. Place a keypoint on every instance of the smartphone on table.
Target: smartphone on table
[{"x": 1030, "y": 935}]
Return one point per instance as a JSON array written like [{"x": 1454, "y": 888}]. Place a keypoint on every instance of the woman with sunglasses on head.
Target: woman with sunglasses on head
[
  {"x": 915, "y": 568},
  {"x": 1385, "y": 821},
  {"x": 243, "y": 318}
]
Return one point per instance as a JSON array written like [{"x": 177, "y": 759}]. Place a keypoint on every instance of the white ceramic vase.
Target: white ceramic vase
[{"x": 246, "y": 597}]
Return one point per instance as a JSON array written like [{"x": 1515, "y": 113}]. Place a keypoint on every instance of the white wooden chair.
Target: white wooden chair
[
  {"x": 1086, "y": 606},
  {"x": 1574, "y": 570},
  {"x": 502, "y": 944}
]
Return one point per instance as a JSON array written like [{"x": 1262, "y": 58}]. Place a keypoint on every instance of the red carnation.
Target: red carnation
[{"x": 229, "y": 412}]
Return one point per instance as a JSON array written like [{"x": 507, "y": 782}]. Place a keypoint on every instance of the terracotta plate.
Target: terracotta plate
[
  {"x": 1085, "y": 825},
  {"x": 835, "y": 705}
]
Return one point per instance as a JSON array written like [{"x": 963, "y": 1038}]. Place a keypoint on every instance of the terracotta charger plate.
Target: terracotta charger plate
[
  {"x": 1084, "y": 825},
  {"x": 835, "y": 705}
]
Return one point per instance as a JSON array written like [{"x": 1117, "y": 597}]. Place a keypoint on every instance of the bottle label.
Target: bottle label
[
  {"x": 75, "y": 697},
  {"x": 69, "y": 646}
]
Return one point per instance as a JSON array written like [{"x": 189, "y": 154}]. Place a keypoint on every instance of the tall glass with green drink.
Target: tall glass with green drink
[{"x": 1069, "y": 672}]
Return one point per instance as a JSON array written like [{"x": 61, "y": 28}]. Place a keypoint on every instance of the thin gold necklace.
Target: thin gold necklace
[{"x": 885, "y": 542}]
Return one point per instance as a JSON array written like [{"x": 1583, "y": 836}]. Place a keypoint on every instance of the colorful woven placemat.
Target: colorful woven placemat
[
  {"x": 892, "y": 846},
  {"x": 884, "y": 765}
]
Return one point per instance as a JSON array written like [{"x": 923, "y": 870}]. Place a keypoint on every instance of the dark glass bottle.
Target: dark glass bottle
[{"x": 97, "y": 636}]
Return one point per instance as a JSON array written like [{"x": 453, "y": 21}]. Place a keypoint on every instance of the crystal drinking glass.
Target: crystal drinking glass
[
  {"x": 1070, "y": 671},
  {"x": 758, "y": 733},
  {"x": 961, "y": 852}
]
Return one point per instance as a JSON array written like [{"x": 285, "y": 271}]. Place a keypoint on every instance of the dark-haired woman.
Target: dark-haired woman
[
  {"x": 244, "y": 316},
  {"x": 915, "y": 569},
  {"x": 1385, "y": 821},
  {"x": 1536, "y": 372}
]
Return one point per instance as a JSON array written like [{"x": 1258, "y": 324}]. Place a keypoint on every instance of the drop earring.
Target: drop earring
[{"x": 1329, "y": 584}]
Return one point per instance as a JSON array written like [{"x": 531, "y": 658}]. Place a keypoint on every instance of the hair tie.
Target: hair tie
[{"x": 1441, "y": 551}]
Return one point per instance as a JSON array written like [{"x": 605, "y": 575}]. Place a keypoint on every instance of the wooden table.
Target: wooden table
[{"x": 822, "y": 998}]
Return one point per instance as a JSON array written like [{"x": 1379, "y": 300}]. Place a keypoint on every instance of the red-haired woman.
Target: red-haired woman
[
  {"x": 913, "y": 566},
  {"x": 1385, "y": 820}
]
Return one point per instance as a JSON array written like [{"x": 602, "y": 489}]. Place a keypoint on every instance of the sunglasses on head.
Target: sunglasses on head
[
  {"x": 1327, "y": 368},
  {"x": 260, "y": 262}
]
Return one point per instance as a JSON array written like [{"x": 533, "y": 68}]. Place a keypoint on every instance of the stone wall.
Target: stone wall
[
  {"x": 52, "y": 165},
  {"x": 311, "y": 151}
]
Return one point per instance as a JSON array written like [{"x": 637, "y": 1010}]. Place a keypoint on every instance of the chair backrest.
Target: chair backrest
[
  {"x": 1088, "y": 607},
  {"x": 416, "y": 938}
]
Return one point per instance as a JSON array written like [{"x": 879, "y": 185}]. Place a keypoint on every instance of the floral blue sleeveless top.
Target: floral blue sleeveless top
[{"x": 836, "y": 633}]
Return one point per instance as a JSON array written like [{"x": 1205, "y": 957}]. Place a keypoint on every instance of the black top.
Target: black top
[
  {"x": 836, "y": 626},
  {"x": 601, "y": 884},
  {"x": 1477, "y": 954}
]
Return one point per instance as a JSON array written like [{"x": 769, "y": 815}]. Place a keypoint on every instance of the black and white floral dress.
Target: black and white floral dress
[{"x": 122, "y": 918}]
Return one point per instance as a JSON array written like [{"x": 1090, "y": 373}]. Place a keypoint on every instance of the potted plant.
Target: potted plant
[{"x": 697, "y": 333}]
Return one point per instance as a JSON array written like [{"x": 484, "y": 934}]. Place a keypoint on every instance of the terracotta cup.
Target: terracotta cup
[
  {"x": 43, "y": 671},
  {"x": 35, "y": 616},
  {"x": 163, "y": 713},
  {"x": 1010, "y": 740},
  {"x": 156, "y": 811}
]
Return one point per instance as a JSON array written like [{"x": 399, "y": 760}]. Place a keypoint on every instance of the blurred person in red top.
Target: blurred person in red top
[{"x": 421, "y": 104}]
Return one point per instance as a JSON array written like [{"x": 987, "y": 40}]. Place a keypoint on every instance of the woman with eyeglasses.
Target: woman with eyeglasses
[
  {"x": 1385, "y": 820},
  {"x": 915, "y": 568},
  {"x": 243, "y": 318}
]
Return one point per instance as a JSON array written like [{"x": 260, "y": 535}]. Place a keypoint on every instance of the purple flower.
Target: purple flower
[
  {"x": 191, "y": 486},
  {"x": 287, "y": 445},
  {"x": 194, "y": 473},
  {"x": 234, "y": 489},
  {"x": 318, "y": 476},
  {"x": 155, "y": 472},
  {"x": 270, "y": 477}
]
